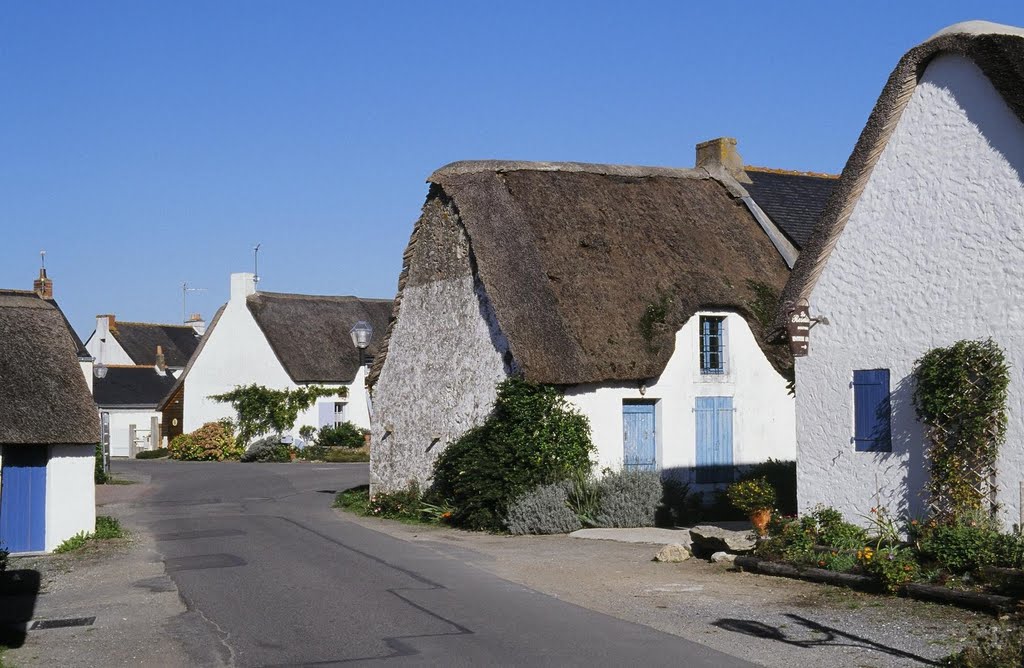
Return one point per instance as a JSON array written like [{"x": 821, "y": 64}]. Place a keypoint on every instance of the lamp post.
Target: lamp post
[
  {"x": 100, "y": 369},
  {"x": 361, "y": 333}
]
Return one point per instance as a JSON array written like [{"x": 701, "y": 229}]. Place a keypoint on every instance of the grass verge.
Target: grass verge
[
  {"x": 107, "y": 528},
  {"x": 347, "y": 455},
  {"x": 407, "y": 507}
]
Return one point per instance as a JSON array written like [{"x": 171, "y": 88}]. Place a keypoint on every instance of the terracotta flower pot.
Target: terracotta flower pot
[{"x": 760, "y": 518}]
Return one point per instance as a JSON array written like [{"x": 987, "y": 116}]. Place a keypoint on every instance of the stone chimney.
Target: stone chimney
[
  {"x": 198, "y": 324},
  {"x": 161, "y": 363},
  {"x": 242, "y": 285},
  {"x": 721, "y": 154},
  {"x": 43, "y": 286}
]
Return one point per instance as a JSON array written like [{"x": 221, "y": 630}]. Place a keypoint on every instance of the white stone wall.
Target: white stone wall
[
  {"x": 763, "y": 418},
  {"x": 104, "y": 347},
  {"x": 70, "y": 493},
  {"x": 443, "y": 363},
  {"x": 932, "y": 254},
  {"x": 121, "y": 420}
]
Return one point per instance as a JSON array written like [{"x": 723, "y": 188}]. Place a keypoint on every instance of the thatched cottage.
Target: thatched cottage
[
  {"x": 643, "y": 292},
  {"x": 48, "y": 427},
  {"x": 280, "y": 341},
  {"x": 919, "y": 246}
]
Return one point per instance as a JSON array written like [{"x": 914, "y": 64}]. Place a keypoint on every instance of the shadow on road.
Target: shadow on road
[
  {"x": 828, "y": 636},
  {"x": 19, "y": 590}
]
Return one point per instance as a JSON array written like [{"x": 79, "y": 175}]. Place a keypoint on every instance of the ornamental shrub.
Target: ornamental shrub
[
  {"x": 781, "y": 475},
  {"x": 543, "y": 510},
  {"x": 893, "y": 566},
  {"x": 214, "y": 441},
  {"x": 99, "y": 472},
  {"x": 268, "y": 449},
  {"x": 344, "y": 435},
  {"x": 628, "y": 498},
  {"x": 403, "y": 504},
  {"x": 963, "y": 545},
  {"x": 159, "y": 453},
  {"x": 532, "y": 437},
  {"x": 751, "y": 495}
]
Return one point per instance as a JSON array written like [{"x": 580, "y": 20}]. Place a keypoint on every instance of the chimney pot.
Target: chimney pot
[
  {"x": 161, "y": 363},
  {"x": 721, "y": 154}
]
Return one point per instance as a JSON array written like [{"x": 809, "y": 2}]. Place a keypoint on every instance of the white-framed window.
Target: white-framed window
[{"x": 340, "y": 412}]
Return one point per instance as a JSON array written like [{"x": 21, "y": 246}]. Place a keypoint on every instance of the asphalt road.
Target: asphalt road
[{"x": 272, "y": 576}]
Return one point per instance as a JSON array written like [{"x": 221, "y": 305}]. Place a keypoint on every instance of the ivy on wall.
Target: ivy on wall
[
  {"x": 960, "y": 397},
  {"x": 262, "y": 410}
]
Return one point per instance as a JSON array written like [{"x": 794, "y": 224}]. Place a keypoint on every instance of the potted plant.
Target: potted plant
[{"x": 756, "y": 498}]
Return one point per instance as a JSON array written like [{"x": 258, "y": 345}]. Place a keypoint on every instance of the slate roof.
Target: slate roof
[
  {"x": 793, "y": 200},
  {"x": 44, "y": 397},
  {"x": 140, "y": 339},
  {"x": 310, "y": 333},
  {"x": 131, "y": 386},
  {"x": 571, "y": 256}
]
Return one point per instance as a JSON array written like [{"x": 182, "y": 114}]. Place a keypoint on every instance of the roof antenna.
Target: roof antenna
[
  {"x": 42, "y": 259},
  {"x": 185, "y": 289},
  {"x": 256, "y": 264}
]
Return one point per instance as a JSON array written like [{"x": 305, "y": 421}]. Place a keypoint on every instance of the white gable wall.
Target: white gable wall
[
  {"x": 931, "y": 255},
  {"x": 763, "y": 418},
  {"x": 108, "y": 351},
  {"x": 70, "y": 493}
]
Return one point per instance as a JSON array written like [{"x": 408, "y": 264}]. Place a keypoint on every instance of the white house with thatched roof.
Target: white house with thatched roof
[
  {"x": 642, "y": 292},
  {"x": 48, "y": 428},
  {"x": 280, "y": 341},
  {"x": 920, "y": 246}
]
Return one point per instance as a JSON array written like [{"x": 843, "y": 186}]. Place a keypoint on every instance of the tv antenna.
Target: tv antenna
[
  {"x": 185, "y": 289},
  {"x": 256, "y": 263}
]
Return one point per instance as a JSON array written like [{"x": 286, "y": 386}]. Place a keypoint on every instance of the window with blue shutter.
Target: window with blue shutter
[
  {"x": 714, "y": 439},
  {"x": 872, "y": 411},
  {"x": 712, "y": 344}
]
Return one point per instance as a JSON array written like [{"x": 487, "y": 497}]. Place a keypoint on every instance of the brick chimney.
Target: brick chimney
[
  {"x": 721, "y": 153},
  {"x": 43, "y": 286},
  {"x": 161, "y": 363},
  {"x": 198, "y": 324}
]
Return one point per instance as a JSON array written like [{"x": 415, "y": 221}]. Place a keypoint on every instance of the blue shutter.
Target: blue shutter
[
  {"x": 326, "y": 409},
  {"x": 639, "y": 448},
  {"x": 872, "y": 411},
  {"x": 714, "y": 439}
]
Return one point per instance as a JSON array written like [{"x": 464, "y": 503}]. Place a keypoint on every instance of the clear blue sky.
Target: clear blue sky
[{"x": 143, "y": 144}]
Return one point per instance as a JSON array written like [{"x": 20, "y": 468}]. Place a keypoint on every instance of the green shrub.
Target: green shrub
[
  {"x": 152, "y": 454},
  {"x": 312, "y": 453},
  {"x": 533, "y": 437},
  {"x": 403, "y": 504},
  {"x": 1000, "y": 647},
  {"x": 344, "y": 455},
  {"x": 76, "y": 542},
  {"x": 543, "y": 510},
  {"x": 962, "y": 545},
  {"x": 678, "y": 507},
  {"x": 833, "y": 531},
  {"x": 628, "y": 498},
  {"x": 268, "y": 449},
  {"x": 893, "y": 566},
  {"x": 108, "y": 528},
  {"x": 751, "y": 495},
  {"x": 794, "y": 539},
  {"x": 781, "y": 475},
  {"x": 583, "y": 498},
  {"x": 344, "y": 435},
  {"x": 214, "y": 441},
  {"x": 355, "y": 499},
  {"x": 99, "y": 474}
]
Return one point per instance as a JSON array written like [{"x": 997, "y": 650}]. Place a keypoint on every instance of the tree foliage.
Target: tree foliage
[
  {"x": 262, "y": 410},
  {"x": 533, "y": 437},
  {"x": 961, "y": 396}
]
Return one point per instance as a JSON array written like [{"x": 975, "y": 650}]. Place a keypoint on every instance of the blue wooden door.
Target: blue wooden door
[
  {"x": 638, "y": 443},
  {"x": 714, "y": 439},
  {"x": 23, "y": 499}
]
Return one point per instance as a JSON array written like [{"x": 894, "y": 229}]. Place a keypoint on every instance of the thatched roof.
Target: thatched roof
[
  {"x": 310, "y": 333},
  {"x": 44, "y": 398},
  {"x": 996, "y": 49},
  {"x": 140, "y": 339},
  {"x": 131, "y": 387},
  {"x": 572, "y": 255}
]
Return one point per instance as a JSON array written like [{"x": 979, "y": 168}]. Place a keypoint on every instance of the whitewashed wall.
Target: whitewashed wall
[
  {"x": 238, "y": 353},
  {"x": 931, "y": 255},
  {"x": 763, "y": 421},
  {"x": 121, "y": 420},
  {"x": 70, "y": 493},
  {"x": 108, "y": 351}
]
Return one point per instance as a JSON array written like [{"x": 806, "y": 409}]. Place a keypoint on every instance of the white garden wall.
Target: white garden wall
[
  {"x": 931, "y": 255},
  {"x": 70, "y": 493}
]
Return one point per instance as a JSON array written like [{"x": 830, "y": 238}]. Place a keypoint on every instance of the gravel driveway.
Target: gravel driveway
[{"x": 766, "y": 620}]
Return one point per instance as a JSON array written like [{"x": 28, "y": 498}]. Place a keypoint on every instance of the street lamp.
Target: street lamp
[
  {"x": 100, "y": 369},
  {"x": 361, "y": 333}
]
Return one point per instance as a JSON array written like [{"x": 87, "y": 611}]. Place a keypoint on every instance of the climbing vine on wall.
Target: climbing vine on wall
[
  {"x": 263, "y": 410},
  {"x": 961, "y": 398}
]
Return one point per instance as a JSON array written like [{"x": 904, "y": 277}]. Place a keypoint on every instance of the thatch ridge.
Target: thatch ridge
[
  {"x": 44, "y": 397},
  {"x": 997, "y": 50},
  {"x": 571, "y": 257}
]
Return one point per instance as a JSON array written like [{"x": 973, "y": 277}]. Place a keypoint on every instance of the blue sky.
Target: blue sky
[{"x": 144, "y": 144}]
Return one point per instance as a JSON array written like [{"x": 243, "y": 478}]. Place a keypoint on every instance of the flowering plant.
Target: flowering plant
[{"x": 751, "y": 495}]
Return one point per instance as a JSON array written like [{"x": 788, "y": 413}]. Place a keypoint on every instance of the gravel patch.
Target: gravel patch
[{"x": 766, "y": 620}]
